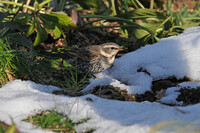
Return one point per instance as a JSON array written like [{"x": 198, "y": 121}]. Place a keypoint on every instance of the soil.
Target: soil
[{"x": 189, "y": 95}]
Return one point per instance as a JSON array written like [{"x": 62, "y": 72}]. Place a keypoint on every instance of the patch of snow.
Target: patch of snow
[
  {"x": 20, "y": 99},
  {"x": 176, "y": 56},
  {"x": 171, "y": 94}
]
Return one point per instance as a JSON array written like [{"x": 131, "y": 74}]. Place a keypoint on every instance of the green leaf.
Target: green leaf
[
  {"x": 140, "y": 33},
  {"x": 66, "y": 64},
  {"x": 3, "y": 32},
  {"x": 116, "y": 5},
  {"x": 41, "y": 33},
  {"x": 152, "y": 26},
  {"x": 22, "y": 15},
  {"x": 134, "y": 3},
  {"x": 184, "y": 11},
  {"x": 11, "y": 129},
  {"x": 1, "y": 128},
  {"x": 144, "y": 40},
  {"x": 24, "y": 20},
  {"x": 57, "y": 33},
  {"x": 90, "y": 4},
  {"x": 31, "y": 29},
  {"x": 52, "y": 26},
  {"x": 49, "y": 22},
  {"x": 112, "y": 19},
  {"x": 163, "y": 23},
  {"x": 59, "y": 4},
  {"x": 13, "y": 25},
  {"x": 169, "y": 4},
  {"x": 64, "y": 20},
  {"x": 3, "y": 15},
  {"x": 21, "y": 39},
  {"x": 55, "y": 63},
  {"x": 142, "y": 14},
  {"x": 58, "y": 19},
  {"x": 126, "y": 5}
]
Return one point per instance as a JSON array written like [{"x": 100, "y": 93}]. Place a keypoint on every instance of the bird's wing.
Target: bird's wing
[{"x": 87, "y": 53}]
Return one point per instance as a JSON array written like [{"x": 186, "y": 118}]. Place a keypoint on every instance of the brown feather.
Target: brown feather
[{"x": 88, "y": 53}]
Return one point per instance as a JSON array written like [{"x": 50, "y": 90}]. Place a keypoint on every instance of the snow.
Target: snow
[{"x": 176, "y": 56}]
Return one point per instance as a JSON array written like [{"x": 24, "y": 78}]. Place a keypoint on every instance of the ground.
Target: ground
[{"x": 82, "y": 38}]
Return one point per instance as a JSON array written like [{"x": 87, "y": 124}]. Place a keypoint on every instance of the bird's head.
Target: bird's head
[{"x": 109, "y": 50}]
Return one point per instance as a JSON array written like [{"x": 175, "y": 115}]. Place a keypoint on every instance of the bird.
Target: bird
[{"x": 93, "y": 59}]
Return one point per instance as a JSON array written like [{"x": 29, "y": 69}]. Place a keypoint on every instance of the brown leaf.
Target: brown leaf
[
  {"x": 9, "y": 76},
  {"x": 74, "y": 16},
  {"x": 160, "y": 94}
]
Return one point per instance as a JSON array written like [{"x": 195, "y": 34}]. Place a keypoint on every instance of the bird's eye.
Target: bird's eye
[{"x": 113, "y": 48}]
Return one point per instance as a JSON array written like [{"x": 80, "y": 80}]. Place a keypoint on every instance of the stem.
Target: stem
[
  {"x": 133, "y": 2},
  {"x": 140, "y": 4},
  {"x": 20, "y": 9},
  {"x": 17, "y": 4},
  {"x": 27, "y": 3},
  {"x": 151, "y": 4}
]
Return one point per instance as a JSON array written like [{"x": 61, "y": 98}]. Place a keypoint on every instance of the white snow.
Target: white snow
[{"x": 177, "y": 56}]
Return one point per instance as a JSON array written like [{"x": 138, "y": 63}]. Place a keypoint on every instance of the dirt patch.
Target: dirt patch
[{"x": 189, "y": 96}]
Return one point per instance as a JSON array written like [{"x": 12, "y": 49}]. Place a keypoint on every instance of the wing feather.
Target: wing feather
[{"x": 88, "y": 53}]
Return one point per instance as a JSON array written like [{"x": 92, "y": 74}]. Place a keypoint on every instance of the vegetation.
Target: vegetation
[
  {"x": 25, "y": 25},
  {"x": 31, "y": 31},
  {"x": 4, "y": 128},
  {"x": 13, "y": 63},
  {"x": 54, "y": 122}
]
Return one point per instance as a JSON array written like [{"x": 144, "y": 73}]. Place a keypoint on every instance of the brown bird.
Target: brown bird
[{"x": 93, "y": 59}]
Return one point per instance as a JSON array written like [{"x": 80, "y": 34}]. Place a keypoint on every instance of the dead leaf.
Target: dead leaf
[
  {"x": 9, "y": 76},
  {"x": 160, "y": 94}
]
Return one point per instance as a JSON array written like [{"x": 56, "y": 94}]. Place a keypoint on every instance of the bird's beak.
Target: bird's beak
[{"x": 120, "y": 49}]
